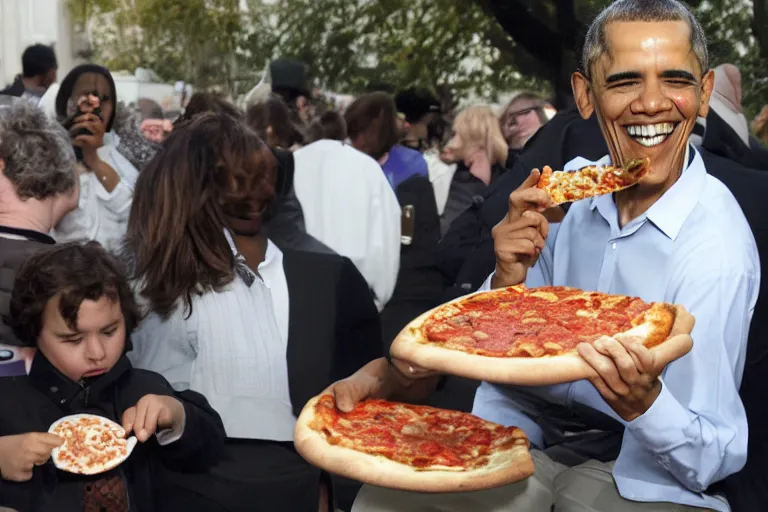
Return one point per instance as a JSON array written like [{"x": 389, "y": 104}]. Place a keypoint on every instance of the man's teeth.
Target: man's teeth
[{"x": 650, "y": 135}]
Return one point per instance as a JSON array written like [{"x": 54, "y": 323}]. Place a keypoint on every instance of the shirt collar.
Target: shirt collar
[
  {"x": 272, "y": 256},
  {"x": 671, "y": 210}
]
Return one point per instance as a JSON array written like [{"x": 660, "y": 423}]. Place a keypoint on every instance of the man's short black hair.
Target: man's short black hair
[{"x": 37, "y": 60}]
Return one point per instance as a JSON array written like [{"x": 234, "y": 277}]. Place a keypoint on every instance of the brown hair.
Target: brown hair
[
  {"x": 330, "y": 125},
  {"x": 208, "y": 102},
  {"x": 209, "y": 168},
  {"x": 273, "y": 113},
  {"x": 75, "y": 273},
  {"x": 372, "y": 123}
]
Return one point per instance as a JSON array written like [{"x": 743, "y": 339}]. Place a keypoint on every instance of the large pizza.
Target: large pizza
[
  {"x": 411, "y": 447},
  {"x": 92, "y": 444},
  {"x": 590, "y": 181},
  {"x": 529, "y": 336}
]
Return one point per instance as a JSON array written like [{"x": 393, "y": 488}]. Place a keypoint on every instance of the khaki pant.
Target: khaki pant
[{"x": 588, "y": 487}]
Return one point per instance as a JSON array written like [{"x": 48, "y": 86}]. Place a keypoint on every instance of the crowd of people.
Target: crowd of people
[{"x": 199, "y": 279}]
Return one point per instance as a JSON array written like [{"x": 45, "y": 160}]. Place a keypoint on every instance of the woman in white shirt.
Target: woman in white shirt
[
  {"x": 211, "y": 326},
  {"x": 107, "y": 178}
]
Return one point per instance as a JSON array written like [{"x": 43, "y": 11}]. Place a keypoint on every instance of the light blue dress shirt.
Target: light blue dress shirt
[{"x": 692, "y": 247}]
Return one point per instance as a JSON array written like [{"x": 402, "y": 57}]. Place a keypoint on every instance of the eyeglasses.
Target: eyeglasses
[{"x": 512, "y": 117}]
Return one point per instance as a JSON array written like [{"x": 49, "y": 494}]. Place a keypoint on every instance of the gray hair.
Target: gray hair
[
  {"x": 642, "y": 10},
  {"x": 38, "y": 155}
]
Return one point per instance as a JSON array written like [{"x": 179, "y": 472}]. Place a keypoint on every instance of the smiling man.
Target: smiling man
[{"x": 638, "y": 436}]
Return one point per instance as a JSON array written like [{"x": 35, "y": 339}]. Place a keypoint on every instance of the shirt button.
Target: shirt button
[
  {"x": 54, "y": 389},
  {"x": 613, "y": 245}
]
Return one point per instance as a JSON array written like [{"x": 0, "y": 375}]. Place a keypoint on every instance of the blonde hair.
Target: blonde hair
[{"x": 478, "y": 125}]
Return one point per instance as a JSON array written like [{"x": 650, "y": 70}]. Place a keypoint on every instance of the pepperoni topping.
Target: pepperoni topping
[
  {"x": 532, "y": 322},
  {"x": 422, "y": 437}
]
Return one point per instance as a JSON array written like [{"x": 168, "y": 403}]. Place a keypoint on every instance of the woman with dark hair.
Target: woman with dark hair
[
  {"x": 85, "y": 104},
  {"x": 271, "y": 120},
  {"x": 212, "y": 324}
]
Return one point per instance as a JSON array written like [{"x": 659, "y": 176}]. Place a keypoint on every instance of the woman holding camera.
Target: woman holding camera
[{"x": 85, "y": 105}]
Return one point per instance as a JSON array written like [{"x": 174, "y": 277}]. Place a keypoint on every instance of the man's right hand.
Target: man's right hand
[
  {"x": 398, "y": 381},
  {"x": 21, "y": 453},
  {"x": 520, "y": 236}
]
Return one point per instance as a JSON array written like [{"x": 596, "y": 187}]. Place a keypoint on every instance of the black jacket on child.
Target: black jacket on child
[{"x": 32, "y": 403}]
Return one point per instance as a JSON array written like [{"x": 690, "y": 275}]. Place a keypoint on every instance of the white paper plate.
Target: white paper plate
[{"x": 131, "y": 444}]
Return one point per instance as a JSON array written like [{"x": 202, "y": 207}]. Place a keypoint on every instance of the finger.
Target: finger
[
  {"x": 141, "y": 416},
  {"x": 531, "y": 180},
  {"x": 605, "y": 368},
  {"x": 23, "y": 475},
  {"x": 150, "y": 421},
  {"x": 513, "y": 248},
  {"x": 628, "y": 370},
  {"x": 639, "y": 352},
  {"x": 47, "y": 441},
  {"x": 529, "y": 199},
  {"x": 129, "y": 419},
  {"x": 348, "y": 394},
  {"x": 411, "y": 370},
  {"x": 684, "y": 322},
  {"x": 603, "y": 388}
]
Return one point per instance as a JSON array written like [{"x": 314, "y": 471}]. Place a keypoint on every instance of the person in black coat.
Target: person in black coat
[
  {"x": 465, "y": 253},
  {"x": 74, "y": 304}
]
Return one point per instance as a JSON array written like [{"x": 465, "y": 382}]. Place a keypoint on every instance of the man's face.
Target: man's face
[
  {"x": 93, "y": 347},
  {"x": 647, "y": 90}
]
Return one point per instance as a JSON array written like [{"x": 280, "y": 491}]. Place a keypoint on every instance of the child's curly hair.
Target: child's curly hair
[{"x": 75, "y": 273}]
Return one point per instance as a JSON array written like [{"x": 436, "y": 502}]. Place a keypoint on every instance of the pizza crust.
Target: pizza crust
[
  {"x": 56, "y": 454},
  {"x": 531, "y": 371},
  {"x": 503, "y": 468}
]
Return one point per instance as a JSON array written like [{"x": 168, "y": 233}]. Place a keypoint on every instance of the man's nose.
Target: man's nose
[{"x": 651, "y": 99}]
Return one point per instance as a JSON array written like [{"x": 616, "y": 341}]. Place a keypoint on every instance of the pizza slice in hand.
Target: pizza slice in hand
[
  {"x": 590, "y": 181},
  {"x": 411, "y": 447}
]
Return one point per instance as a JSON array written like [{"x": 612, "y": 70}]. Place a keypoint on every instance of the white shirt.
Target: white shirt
[
  {"x": 101, "y": 216},
  {"x": 273, "y": 273},
  {"x": 349, "y": 205},
  {"x": 230, "y": 350}
]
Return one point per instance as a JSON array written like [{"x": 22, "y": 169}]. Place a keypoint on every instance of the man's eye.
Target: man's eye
[
  {"x": 679, "y": 83},
  {"x": 73, "y": 341},
  {"x": 110, "y": 332}
]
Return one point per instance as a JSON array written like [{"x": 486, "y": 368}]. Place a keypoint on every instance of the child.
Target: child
[{"x": 74, "y": 304}]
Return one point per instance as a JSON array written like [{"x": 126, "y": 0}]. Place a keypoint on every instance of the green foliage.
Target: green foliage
[
  {"x": 728, "y": 24},
  {"x": 446, "y": 45}
]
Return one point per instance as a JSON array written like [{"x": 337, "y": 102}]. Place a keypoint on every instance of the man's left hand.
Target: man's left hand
[{"x": 627, "y": 373}]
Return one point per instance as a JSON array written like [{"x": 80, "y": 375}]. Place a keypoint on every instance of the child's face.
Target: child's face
[{"x": 90, "y": 350}]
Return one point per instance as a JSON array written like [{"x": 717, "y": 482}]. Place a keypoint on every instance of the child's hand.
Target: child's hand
[
  {"x": 151, "y": 414},
  {"x": 20, "y": 454}
]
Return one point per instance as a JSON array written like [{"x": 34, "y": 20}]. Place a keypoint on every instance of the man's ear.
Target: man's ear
[
  {"x": 2, "y": 166},
  {"x": 707, "y": 84},
  {"x": 580, "y": 86}
]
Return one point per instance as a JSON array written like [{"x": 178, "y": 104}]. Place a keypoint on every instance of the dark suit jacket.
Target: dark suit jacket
[{"x": 333, "y": 326}]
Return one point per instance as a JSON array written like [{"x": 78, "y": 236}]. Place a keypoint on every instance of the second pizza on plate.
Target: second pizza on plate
[{"x": 528, "y": 336}]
